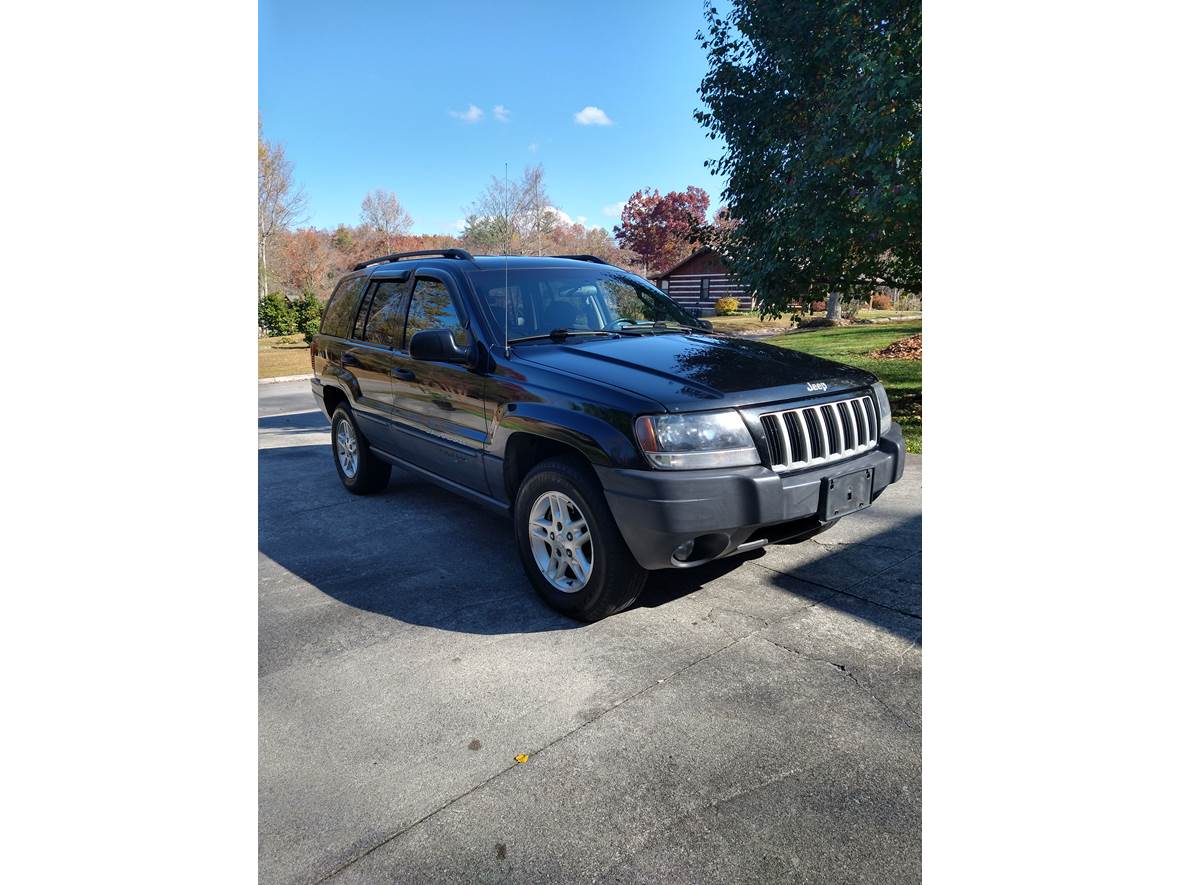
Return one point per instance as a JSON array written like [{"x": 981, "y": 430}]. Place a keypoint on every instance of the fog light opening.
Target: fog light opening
[{"x": 683, "y": 553}]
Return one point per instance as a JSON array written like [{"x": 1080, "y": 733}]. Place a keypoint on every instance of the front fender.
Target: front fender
[{"x": 601, "y": 435}]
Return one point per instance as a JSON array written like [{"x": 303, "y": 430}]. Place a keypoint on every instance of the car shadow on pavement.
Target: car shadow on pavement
[
  {"x": 421, "y": 555},
  {"x": 296, "y": 422}
]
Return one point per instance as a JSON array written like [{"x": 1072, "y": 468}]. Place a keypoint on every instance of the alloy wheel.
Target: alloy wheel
[
  {"x": 560, "y": 540},
  {"x": 346, "y": 447}
]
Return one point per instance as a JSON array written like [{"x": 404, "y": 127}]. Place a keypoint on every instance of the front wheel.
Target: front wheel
[{"x": 569, "y": 544}]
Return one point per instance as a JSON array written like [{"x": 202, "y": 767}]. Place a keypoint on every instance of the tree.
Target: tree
[
  {"x": 382, "y": 211},
  {"x": 276, "y": 316},
  {"x": 303, "y": 261},
  {"x": 818, "y": 104},
  {"x": 280, "y": 203},
  {"x": 662, "y": 230},
  {"x": 307, "y": 312},
  {"x": 512, "y": 216}
]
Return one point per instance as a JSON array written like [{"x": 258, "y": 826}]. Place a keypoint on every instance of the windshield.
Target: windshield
[{"x": 587, "y": 300}]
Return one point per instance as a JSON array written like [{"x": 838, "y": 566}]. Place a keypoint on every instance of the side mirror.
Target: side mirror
[{"x": 436, "y": 346}]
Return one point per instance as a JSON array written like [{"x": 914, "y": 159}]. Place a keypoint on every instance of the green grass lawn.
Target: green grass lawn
[{"x": 850, "y": 344}]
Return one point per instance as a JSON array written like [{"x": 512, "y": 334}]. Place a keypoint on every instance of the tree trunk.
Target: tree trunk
[
  {"x": 833, "y": 305},
  {"x": 265, "y": 281}
]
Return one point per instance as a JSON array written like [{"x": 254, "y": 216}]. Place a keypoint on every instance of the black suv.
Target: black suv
[{"x": 620, "y": 432}]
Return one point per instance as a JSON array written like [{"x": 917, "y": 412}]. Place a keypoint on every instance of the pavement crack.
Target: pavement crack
[
  {"x": 533, "y": 755},
  {"x": 836, "y": 545},
  {"x": 844, "y": 671},
  {"x": 848, "y": 593},
  {"x": 624, "y": 854}
]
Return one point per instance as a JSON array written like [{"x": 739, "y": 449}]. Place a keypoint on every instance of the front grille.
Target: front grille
[{"x": 820, "y": 434}]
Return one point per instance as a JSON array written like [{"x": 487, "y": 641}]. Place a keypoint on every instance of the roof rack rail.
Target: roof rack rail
[
  {"x": 398, "y": 256},
  {"x": 593, "y": 258}
]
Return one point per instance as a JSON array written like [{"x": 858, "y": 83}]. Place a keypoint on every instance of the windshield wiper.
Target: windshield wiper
[
  {"x": 657, "y": 327},
  {"x": 558, "y": 335},
  {"x": 676, "y": 326}
]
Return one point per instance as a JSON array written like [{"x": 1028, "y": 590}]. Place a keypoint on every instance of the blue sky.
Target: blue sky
[{"x": 366, "y": 95}]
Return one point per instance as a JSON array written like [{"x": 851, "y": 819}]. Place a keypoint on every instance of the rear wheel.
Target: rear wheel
[
  {"x": 569, "y": 543},
  {"x": 361, "y": 472}
]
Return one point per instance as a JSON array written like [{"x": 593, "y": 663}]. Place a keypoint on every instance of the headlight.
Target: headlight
[
  {"x": 696, "y": 440},
  {"x": 882, "y": 406}
]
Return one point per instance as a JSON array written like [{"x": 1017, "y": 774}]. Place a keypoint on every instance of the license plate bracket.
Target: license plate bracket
[{"x": 847, "y": 493}]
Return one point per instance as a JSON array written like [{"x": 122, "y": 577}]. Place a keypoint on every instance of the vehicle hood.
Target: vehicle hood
[{"x": 686, "y": 372}]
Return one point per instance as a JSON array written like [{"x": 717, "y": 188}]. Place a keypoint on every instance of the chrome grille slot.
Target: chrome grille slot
[
  {"x": 846, "y": 422},
  {"x": 818, "y": 451},
  {"x": 811, "y": 435},
  {"x": 795, "y": 435},
  {"x": 773, "y": 425},
  {"x": 835, "y": 443}
]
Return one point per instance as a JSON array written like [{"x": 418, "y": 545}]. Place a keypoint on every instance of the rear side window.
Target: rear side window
[
  {"x": 358, "y": 328},
  {"x": 387, "y": 316},
  {"x": 341, "y": 309},
  {"x": 432, "y": 308}
]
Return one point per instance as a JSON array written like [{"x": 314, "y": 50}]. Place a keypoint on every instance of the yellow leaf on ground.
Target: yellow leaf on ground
[{"x": 523, "y": 757}]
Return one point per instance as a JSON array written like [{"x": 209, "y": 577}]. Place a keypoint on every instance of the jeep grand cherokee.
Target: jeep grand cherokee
[{"x": 619, "y": 432}]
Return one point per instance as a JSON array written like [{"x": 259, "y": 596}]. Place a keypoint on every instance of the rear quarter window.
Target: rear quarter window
[{"x": 341, "y": 309}]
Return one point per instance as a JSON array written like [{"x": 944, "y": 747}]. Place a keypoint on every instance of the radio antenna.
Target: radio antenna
[{"x": 507, "y": 347}]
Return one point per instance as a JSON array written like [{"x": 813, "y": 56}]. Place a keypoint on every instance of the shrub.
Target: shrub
[
  {"x": 881, "y": 301},
  {"x": 276, "y": 316},
  {"x": 819, "y": 307},
  {"x": 816, "y": 323},
  {"x": 725, "y": 306},
  {"x": 308, "y": 312}
]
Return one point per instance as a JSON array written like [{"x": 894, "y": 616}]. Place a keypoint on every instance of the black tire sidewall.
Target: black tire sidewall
[
  {"x": 342, "y": 414},
  {"x": 614, "y": 570},
  {"x": 370, "y": 473}
]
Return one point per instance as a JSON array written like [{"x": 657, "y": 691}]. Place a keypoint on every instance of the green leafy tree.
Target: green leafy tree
[
  {"x": 276, "y": 316},
  {"x": 308, "y": 312},
  {"x": 487, "y": 234},
  {"x": 819, "y": 105}
]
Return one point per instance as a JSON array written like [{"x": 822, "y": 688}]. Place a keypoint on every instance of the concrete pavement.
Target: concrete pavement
[{"x": 753, "y": 720}]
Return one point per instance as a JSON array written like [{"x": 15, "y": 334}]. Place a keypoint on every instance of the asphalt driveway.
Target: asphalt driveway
[{"x": 755, "y": 720}]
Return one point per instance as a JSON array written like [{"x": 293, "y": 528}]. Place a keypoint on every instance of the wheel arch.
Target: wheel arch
[
  {"x": 334, "y": 397},
  {"x": 526, "y": 449},
  {"x": 528, "y": 433}
]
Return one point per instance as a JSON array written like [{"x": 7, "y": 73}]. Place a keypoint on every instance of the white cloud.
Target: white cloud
[
  {"x": 471, "y": 115},
  {"x": 592, "y": 116},
  {"x": 581, "y": 219},
  {"x": 533, "y": 147},
  {"x": 614, "y": 210},
  {"x": 501, "y": 113},
  {"x": 460, "y": 224}
]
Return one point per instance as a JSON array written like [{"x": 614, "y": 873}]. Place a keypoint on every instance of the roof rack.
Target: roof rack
[
  {"x": 593, "y": 258},
  {"x": 398, "y": 256}
]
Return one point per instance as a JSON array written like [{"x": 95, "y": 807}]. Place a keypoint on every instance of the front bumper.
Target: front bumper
[{"x": 730, "y": 510}]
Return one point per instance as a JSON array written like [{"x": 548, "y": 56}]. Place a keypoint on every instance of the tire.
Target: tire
[
  {"x": 369, "y": 473},
  {"x": 614, "y": 580}
]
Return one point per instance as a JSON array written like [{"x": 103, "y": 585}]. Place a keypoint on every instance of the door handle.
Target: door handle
[{"x": 404, "y": 374}]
